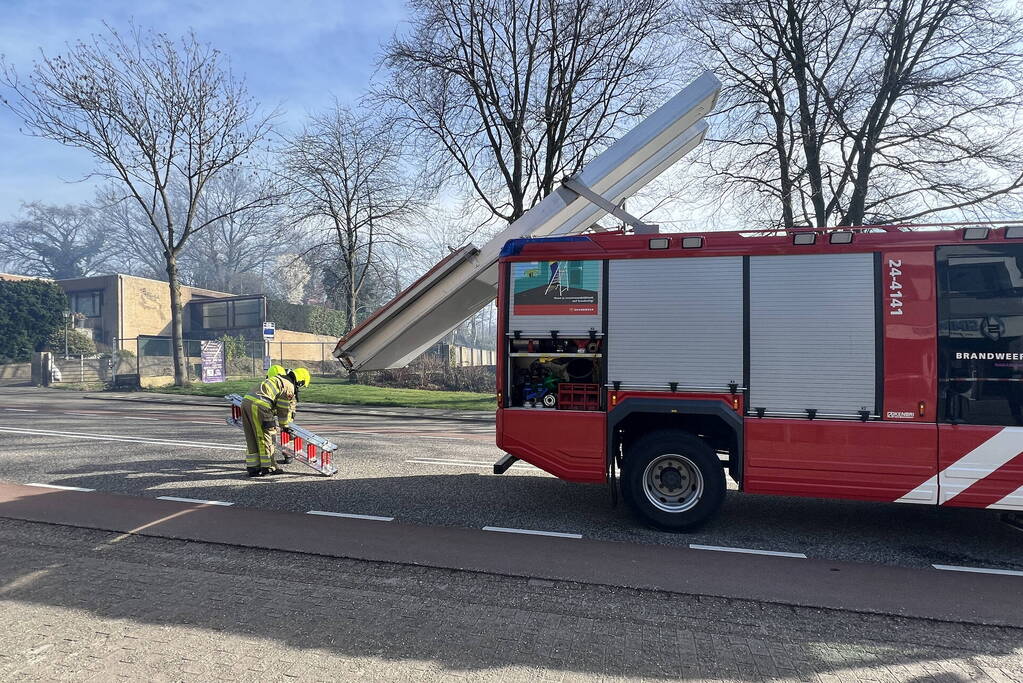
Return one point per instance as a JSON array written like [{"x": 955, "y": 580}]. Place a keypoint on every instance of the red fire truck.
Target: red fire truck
[{"x": 880, "y": 364}]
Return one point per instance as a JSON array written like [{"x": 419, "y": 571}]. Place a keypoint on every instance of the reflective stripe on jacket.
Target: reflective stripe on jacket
[{"x": 276, "y": 394}]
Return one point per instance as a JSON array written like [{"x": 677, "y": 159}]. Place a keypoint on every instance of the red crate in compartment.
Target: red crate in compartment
[{"x": 578, "y": 396}]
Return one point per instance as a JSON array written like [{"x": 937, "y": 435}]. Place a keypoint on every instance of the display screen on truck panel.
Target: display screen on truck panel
[{"x": 556, "y": 287}]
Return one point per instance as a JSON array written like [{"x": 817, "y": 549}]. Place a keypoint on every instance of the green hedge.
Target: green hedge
[
  {"x": 78, "y": 343},
  {"x": 305, "y": 318},
  {"x": 31, "y": 311}
]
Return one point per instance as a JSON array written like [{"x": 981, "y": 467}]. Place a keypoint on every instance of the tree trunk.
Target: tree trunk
[
  {"x": 177, "y": 330},
  {"x": 351, "y": 292}
]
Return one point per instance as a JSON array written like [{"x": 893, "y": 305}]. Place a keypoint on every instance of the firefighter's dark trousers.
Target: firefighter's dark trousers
[{"x": 259, "y": 426}]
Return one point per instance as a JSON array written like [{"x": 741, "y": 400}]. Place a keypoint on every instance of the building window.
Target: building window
[
  {"x": 214, "y": 315},
  {"x": 247, "y": 313},
  {"x": 89, "y": 304},
  {"x": 231, "y": 314}
]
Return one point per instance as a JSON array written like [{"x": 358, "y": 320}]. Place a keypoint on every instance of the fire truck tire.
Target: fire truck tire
[{"x": 673, "y": 480}]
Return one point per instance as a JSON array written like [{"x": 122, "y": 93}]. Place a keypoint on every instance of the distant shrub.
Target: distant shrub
[
  {"x": 30, "y": 312},
  {"x": 78, "y": 343},
  {"x": 305, "y": 318}
]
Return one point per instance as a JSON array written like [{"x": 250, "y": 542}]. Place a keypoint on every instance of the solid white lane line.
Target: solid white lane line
[
  {"x": 74, "y": 412},
  {"x": 194, "y": 500},
  {"x": 125, "y": 439},
  {"x": 350, "y": 515},
  {"x": 452, "y": 463},
  {"x": 462, "y": 463},
  {"x": 750, "y": 551},
  {"x": 531, "y": 532},
  {"x": 62, "y": 488},
  {"x": 125, "y": 417},
  {"x": 977, "y": 570},
  {"x": 23, "y": 410}
]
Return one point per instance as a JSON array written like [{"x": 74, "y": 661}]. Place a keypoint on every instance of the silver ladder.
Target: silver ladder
[{"x": 301, "y": 444}]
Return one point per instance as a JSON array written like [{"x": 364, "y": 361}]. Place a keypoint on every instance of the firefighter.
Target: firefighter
[{"x": 270, "y": 403}]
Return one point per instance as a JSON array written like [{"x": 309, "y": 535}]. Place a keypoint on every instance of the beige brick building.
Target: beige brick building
[{"x": 126, "y": 312}]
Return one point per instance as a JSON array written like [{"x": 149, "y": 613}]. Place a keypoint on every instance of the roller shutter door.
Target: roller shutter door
[
  {"x": 675, "y": 320},
  {"x": 812, "y": 333}
]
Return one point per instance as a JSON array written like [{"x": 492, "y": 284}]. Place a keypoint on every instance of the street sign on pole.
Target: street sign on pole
[{"x": 268, "y": 331}]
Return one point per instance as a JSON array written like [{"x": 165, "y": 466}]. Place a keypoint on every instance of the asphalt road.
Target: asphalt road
[{"x": 438, "y": 472}]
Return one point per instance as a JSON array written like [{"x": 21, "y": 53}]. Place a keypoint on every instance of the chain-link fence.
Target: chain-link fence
[
  {"x": 148, "y": 362},
  {"x": 151, "y": 359}
]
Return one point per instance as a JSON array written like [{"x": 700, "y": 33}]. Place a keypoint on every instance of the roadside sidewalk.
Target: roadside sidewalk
[
  {"x": 91, "y": 605},
  {"x": 483, "y": 417}
]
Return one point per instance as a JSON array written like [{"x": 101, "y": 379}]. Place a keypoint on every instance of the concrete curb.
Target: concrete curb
[{"x": 317, "y": 408}]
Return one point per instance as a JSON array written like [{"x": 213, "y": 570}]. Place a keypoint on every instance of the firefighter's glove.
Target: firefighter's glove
[{"x": 269, "y": 426}]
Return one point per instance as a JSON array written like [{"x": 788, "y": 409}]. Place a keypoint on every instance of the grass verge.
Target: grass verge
[
  {"x": 332, "y": 390},
  {"x": 79, "y": 386}
]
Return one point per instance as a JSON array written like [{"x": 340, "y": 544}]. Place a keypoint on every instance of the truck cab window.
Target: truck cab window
[{"x": 980, "y": 334}]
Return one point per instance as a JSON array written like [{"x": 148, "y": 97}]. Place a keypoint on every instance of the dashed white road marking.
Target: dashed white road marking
[
  {"x": 22, "y": 410},
  {"x": 531, "y": 532},
  {"x": 349, "y": 515},
  {"x": 750, "y": 551},
  {"x": 62, "y": 488},
  {"x": 125, "y": 439},
  {"x": 204, "y": 422},
  {"x": 126, "y": 417},
  {"x": 194, "y": 500},
  {"x": 977, "y": 570}
]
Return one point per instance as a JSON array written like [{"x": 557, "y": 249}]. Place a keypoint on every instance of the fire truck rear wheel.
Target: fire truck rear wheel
[{"x": 673, "y": 480}]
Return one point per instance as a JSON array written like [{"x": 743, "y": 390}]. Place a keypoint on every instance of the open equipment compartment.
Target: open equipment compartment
[{"x": 555, "y": 335}]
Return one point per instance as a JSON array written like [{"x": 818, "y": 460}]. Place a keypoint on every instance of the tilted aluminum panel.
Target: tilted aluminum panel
[
  {"x": 812, "y": 333},
  {"x": 416, "y": 319},
  {"x": 675, "y": 320}
]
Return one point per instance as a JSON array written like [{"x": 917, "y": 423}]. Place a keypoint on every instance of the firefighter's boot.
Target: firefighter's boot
[{"x": 254, "y": 471}]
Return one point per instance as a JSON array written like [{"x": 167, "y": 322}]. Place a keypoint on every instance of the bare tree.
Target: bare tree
[
  {"x": 287, "y": 278},
  {"x": 135, "y": 248},
  {"x": 238, "y": 245},
  {"x": 158, "y": 114},
  {"x": 850, "y": 112},
  {"x": 56, "y": 242},
  {"x": 512, "y": 95},
  {"x": 352, "y": 186}
]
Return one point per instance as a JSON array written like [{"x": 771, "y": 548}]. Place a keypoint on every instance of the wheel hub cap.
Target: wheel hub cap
[{"x": 673, "y": 483}]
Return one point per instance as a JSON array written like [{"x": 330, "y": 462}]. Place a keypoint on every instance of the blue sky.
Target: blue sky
[{"x": 297, "y": 54}]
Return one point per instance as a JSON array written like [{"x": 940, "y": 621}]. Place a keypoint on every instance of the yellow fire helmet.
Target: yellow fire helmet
[
  {"x": 302, "y": 377},
  {"x": 275, "y": 370}
]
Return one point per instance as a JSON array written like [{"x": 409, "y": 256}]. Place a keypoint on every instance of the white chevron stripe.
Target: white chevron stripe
[
  {"x": 924, "y": 494},
  {"x": 971, "y": 468},
  {"x": 980, "y": 462},
  {"x": 1013, "y": 501}
]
